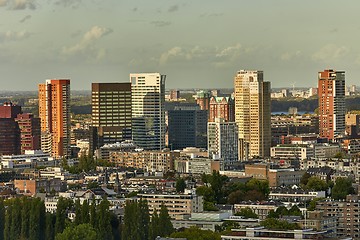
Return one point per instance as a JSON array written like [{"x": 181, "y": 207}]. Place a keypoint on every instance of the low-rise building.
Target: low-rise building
[
  {"x": 196, "y": 165},
  {"x": 292, "y": 151},
  {"x": 178, "y": 205},
  {"x": 276, "y": 177},
  {"x": 262, "y": 209},
  {"x": 318, "y": 221},
  {"x": 150, "y": 161},
  {"x": 263, "y": 233},
  {"x": 295, "y": 195},
  {"x": 33, "y": 186}
]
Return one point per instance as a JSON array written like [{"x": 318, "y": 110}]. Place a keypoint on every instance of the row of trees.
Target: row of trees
[
  {"x": 218, "y": 189},
  {"x": 339, "y": 190},
  {"x": 25, "y": 218},
  {"x": 139, "y": 226}
]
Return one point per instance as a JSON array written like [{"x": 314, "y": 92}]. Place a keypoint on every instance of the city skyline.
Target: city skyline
[{"x": 196, "y": 44}]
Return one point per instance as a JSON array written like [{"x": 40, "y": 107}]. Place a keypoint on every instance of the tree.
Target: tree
[
  {"x": 247, "y": 213},
  {"x": 104, "y": 220},
  {"x": 180, "y": 185},
  {"x": 85, "y": 212},
  {"x": 305, "y": 178},
  {"x": 143, "y": 219},
  {"x": 261, "y": 186},
  {"x": 2, "y": 219},
  {"x": 206, "y": 192},
  {"x": 79, "y": 232},
  {"x": 78, "y": 218},
  {"x": 295, "y": 211},
  {"x": 7, "y": 234},
  {"x": 166, "y": 227},
  {"x": 195, "y": 233},
  {"x": 154, "y": 229},
  {"x": 316, "y": 184},
  {"x": 37, "y": 220},
  {"x": 49, "y": 229},
  {"x": 130, "y": 226},
  {"x": 236, "y": 197},
  {"x": 210, "y": 206},
  {"x": 276, "y": 224},
  {"x": 15, "y": 227},
  {"x": 26, "y": 208},
  {"x": 61, "y": 214},
  {"x": 312, "y": 204},
  {"x": 93, "y": 219},
  {"x": 342, "y": 187}
]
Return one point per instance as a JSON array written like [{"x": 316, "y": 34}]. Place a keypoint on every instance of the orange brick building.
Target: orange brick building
[
  {"x": 331, "y": 92},
  {"x": 54, "y": 112}
]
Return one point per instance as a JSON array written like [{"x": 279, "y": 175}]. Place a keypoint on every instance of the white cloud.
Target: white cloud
[
  {"x": 88, "y": 41},
  {"x": 330, "y": 52},
  {"x": 18, "y": 4},
  {"x": 173, "y": 52},
  {"x": 287, "y": 56},
  {"x": 13, "y": 36},
  {"x": 231, "y": 51}
]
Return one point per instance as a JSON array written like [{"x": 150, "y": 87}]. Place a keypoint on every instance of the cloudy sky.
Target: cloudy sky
[{"x": 196, "y": 43}]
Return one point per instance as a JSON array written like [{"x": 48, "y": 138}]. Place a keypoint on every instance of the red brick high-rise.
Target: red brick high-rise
[
  {"x": 29, "y": 131},
  {"x": 331, "y": 92},
  {"x": 222, "y": 107}
]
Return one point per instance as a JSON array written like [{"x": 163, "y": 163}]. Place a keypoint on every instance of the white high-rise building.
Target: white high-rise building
[
  {"x": 148, "y": 113},
  {"x": 253, "y": 114},
  {"x": 223, "y": 142}
]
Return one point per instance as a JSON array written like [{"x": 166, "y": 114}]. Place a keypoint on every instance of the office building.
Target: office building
[
  {"x": 9, "y": 129},
  {"x": 331, "y": 92},
  {"x": 111, "y": 113},
  {"x": 222, "y": 107},
  {"x": 253, "y": 114},
  {"x": 187, "y": 128},
  {"x": 54, "y": 112},
  {"x": 30, "y": 133},
  {"x": 148, "y": 113},
  {"x": 223, "y": 142}
]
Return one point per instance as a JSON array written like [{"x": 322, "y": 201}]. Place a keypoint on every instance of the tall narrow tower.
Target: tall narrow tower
[
  {"x": 148, "y": 113},
  {"x": 54, "y": 112},
  {"x": 331, "y": 92},
  {"x": 253, "y": 114}
]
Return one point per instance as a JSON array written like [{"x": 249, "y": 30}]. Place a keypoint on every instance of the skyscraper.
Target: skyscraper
[
  {"x": 148, "y": 113},
  {"x": 29, "y": 131},
  {"x": 9, "y": 129},
  {"x": 187, "y": 128},
  {"x": 223, "y": 142},
  {"x": 111, "y": 113},
  {"x": 54, "y": 112},
  {"x": 331, "y": 92},
  {"x": 253, "y": 114}
]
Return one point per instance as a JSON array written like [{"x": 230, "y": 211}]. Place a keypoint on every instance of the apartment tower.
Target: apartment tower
[
  {"x": 148, "y": 113},
  {"x": 111, "y": 113},
  {"x": 331, "y": 92},
  {"x": 223, "y": 142},
  {"x": 54, "y": 112},
  {"x": 253, "y": 114}
]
